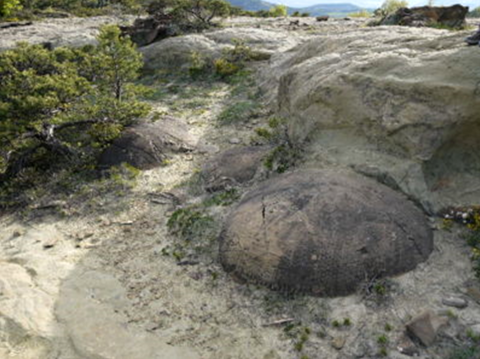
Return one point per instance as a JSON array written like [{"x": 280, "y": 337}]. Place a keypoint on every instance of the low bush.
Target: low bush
[{"x": 390, "y": 6}]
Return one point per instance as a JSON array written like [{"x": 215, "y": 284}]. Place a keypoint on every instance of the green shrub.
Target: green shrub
[
  {"x": 469, "y": 351},
  {"x": 281, "y": 158},
  {"x": 233, "y": 60},
  {"x": 192, "y": 14},
  {"x": 278, "y": 11},
  {"x": 189, "y": 223},
  {"x": 474, "y": 13},
  {"x": 199, "y": 65},
  {"x": 65, "y": 103},
  {"x": 360, "y": 14},
  {"x": 391, "y": 6},
  {"x": 225, "y": 68},
  {"x": 237, "y": 112},
  {"x": 8, "y": 7}
]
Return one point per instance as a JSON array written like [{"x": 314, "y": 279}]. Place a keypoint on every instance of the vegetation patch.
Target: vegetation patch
[
  {"x": 470, "y": 219},
  {"x": 61, "y": 107},
  {"x": 238, "y": 112},
  {"x": 194, "y": 228}
]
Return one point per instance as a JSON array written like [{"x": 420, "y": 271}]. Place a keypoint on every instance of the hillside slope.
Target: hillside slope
[{"x": 334, "y": 10}]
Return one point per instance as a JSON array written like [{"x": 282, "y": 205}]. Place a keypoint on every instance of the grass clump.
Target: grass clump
[
  {"x": 284, "y": 155},
  {"x": 238, "y": 112},
  {"x": 194, "y": 229},
  {"x": 189, "y": 223},
  {"x": 470, "y": 349},
  {"x": 469, "y": 218},
  {"x": 298, "y": 334},
  {"x": 223, "y": 199},
  {"x": 281, "y": 158}
]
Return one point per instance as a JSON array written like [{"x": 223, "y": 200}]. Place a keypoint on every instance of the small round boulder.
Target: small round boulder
[{"x": 323, "y": 232}]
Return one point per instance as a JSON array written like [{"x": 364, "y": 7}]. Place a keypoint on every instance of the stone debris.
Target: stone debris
[
  {"x": 456, "y": 302},
  {"x": 338, "y": 342},
  {"x": 425, "y": 327},
  {"x": 406, "y": 346}
]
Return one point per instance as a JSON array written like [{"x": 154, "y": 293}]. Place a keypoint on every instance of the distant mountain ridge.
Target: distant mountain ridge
[{"x": 341, "y": 9}]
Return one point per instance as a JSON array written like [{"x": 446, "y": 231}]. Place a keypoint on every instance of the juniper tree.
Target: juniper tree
[{"x": 64, "y": 102}]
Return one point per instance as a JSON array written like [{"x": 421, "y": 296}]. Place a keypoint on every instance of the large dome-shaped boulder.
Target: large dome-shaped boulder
[
  {"x": 176, "y": 52},
  {"x": 323, "y": 232}
]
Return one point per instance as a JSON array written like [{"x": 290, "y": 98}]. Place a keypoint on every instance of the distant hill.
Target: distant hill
[
  {"x": 323, "y": 9},
  {"x": 252, "y": 5},
  {"x": 334, "y": 10}
]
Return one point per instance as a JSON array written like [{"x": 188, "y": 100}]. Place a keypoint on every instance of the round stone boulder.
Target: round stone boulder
[
  {"x": 147, "y": 145},
  {"x": 323, "y": 232},
  {"x": 234, "y": 167}
]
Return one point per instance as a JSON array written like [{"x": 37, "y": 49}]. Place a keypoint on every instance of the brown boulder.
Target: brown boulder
[
  {"x": 425, "y": 327},
  {"x": 323, "y": 232},
  {"x": 233, "y": 167},
  {"x": 449, "y": 16},
  {"x": 147, "y": 145},
  {"x": 144, "y": 31}
]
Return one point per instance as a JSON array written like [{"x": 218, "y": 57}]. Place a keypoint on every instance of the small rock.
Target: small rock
[
  {"x": 195, "y": 275},
  {"x": 406, "y": 346},
  {"x": 207, "y": 148},
  {"x": 17, "y": 233},
  {"x": 338, "y": 342},
  {"x": 456, "y": 302},
  {"x": 50, "y": 242},
  {"x": 150, "y": 327},
  {"x": 425, "y": 327},
  {"x": 234, "y": 141}
]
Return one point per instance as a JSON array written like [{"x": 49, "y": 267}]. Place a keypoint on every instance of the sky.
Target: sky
[{"x": 372, "y": 3}]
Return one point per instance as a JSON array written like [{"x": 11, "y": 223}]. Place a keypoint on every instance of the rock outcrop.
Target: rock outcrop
[
  {"x": 448, "y": 16},
  {"x": 144, "y": 31},
  {"x": 147, "y": 145},
  {"x": 176, "y": 52},
  {"x": 323, "y": 233},
  {"x": 400, "y": 104},
  {"x": 74, "y": 32}
]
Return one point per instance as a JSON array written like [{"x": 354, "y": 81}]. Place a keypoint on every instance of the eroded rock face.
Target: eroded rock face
[
  {"x": 396, "y": 100},
  {"x": 147, "y": 145},
  {"x": 233, "y": 167},
  {"x": 323, "y": 232},
  {"x": 176, "y": 52},
  {"x": 75, "y": 32},
  {"x": 144, "y": 31},
  {"x": 451, "y": 16}
]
